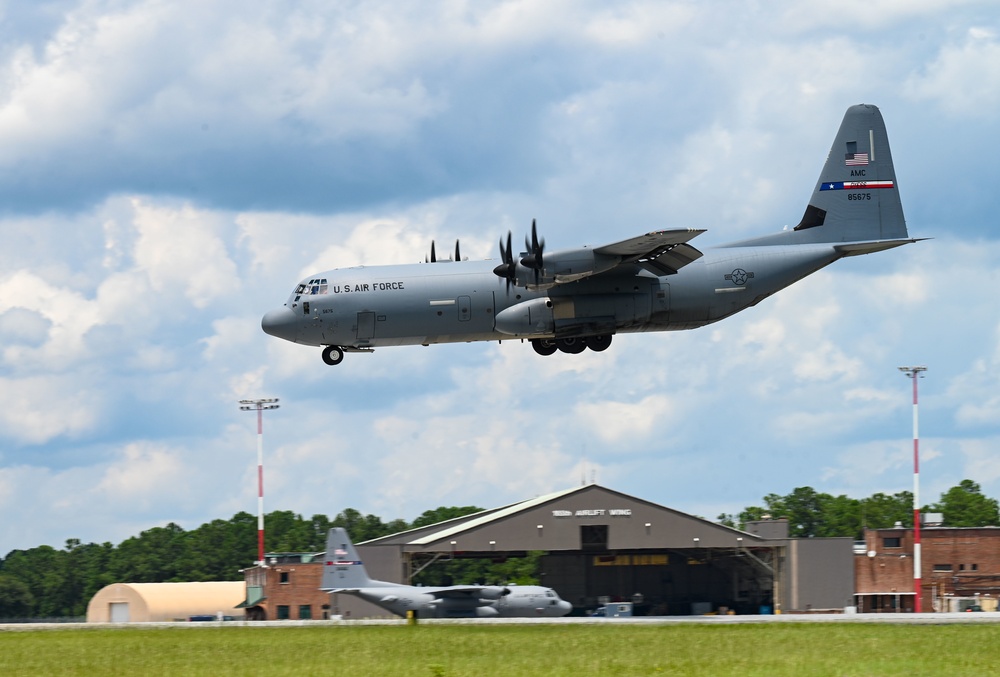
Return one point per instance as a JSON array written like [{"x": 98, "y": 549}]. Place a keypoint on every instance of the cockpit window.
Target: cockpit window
[{"x": 312, "y": 287}]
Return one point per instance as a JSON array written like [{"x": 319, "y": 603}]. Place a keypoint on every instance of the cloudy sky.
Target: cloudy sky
[{"x": 169, "y": 171}]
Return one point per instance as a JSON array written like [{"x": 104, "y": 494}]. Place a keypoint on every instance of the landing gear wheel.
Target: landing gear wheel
[
  {"x": 333, "y": 355},
  {"x": 598, "y": 343},
  {"x": 543, "y": 346},
  {"x": 573, "y": 346}
]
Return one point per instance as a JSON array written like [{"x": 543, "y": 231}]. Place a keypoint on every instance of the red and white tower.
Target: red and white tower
[
  {"x": 260, "y": 406},
  {"x": 914, "y": 373}
]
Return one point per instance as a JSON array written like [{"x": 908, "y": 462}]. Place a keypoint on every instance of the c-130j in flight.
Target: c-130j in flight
[{"x": 574, "y": 299}]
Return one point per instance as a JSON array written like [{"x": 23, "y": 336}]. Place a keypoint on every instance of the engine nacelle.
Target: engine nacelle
[
  {"x": 494, "y": 592},
  {"x": 576, "y": 264},
  {"x": 528, "y": 318},
  {"x": 561, "y": 267},
  {"x": 487, "y": 612}
]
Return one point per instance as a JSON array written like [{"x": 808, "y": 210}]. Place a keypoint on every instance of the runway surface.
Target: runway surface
[{"x": 901, "y": 619}]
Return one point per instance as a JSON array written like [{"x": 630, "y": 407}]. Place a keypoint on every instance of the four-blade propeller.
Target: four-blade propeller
[
  {"x": 533, "y": 259},
  {"x": 433, "y": 256},
  {"x": 535, "y": 248},
  {"x": 507, "y": 269}
]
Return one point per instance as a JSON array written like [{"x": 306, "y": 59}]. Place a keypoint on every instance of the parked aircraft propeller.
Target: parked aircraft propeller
[
  {"x": 535, "y": 248},
  {"x": 507, "y": 269},
  {"x": 433, "y": 257},
  {"x": 458, "y": 254}
]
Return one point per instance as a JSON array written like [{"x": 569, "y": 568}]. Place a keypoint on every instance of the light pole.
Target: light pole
[
  {"x": 259, "y": 406},
  {"x": 914, "y": 373}
]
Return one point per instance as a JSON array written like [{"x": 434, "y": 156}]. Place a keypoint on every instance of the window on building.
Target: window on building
[
  {"x": 975, "y": 567},
  {"x": 284, "y": 577},
  {"x": 891, "y": 542},
  {"x": 961, "y": 567},
  {"x": 594, "y": 537},
  {"x": 283, "y": 612},
  {"x": 305, "y": 612},
  {"x": 942, "y": 567}
]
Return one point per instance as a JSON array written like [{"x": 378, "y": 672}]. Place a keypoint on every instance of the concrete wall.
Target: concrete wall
[{"x": 820, "y": 574}]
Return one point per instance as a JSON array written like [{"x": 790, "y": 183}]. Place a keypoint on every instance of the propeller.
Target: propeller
[
  {"x": 507, "y": 269},
  {"x": 535, "y": 248},
  {"x": 433, "y": 256}
]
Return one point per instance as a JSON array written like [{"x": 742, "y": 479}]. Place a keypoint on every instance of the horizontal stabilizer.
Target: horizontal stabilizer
[{"x": 858, "y": 248}]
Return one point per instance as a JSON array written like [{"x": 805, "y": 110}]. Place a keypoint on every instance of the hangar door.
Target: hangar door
[{"x": 119, "y": 612}]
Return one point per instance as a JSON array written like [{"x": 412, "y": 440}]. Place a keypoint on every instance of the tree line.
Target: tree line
[
  {"x": 45, "y": 582},
  {"x": 815, "y": 514}
]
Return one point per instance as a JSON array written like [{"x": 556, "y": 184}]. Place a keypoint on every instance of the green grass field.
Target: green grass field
[{"x": 452, "y": 650}]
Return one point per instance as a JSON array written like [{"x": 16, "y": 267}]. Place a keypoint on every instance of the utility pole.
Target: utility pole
[
  {"x": 914, "y": 373},
  {"x": 260, "y": 406}
]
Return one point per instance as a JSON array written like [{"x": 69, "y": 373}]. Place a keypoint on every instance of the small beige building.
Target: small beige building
[{"x": 151, "y": 602}]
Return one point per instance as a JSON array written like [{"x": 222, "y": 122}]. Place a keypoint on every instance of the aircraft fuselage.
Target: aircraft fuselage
[
  {"x": 522, "y": 601},
  {"x": 449, "y": 302}
]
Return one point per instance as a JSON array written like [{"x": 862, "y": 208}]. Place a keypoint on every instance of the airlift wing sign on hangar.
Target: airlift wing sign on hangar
[
  {"x": 574, "y": 299},
  {"x": 594, "y": 512}
]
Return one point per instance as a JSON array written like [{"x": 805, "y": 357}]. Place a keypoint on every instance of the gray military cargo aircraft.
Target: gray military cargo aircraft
[
  {"x": 575, "y": 299},
  {"x": 343, "y": 572}
]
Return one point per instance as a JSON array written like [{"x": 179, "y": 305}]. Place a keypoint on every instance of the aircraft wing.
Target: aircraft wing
[
  {"x": 662, "y": 252},
  {"x": 463, "y": 591}
]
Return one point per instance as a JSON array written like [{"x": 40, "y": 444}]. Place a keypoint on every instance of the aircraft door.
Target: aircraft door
[
  {"x": 464, "y": 308},
  {"x": 366, "y": 325}
]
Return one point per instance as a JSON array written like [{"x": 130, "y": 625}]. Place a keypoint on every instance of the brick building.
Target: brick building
[
  {"x": 287, "y": 588},
  {"x": 960, "y": 568}
]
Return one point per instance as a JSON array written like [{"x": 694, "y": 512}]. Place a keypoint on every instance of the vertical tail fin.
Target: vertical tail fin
[
  {"x": 856, "y": 198},
  {"x": 342, "y": 567}
]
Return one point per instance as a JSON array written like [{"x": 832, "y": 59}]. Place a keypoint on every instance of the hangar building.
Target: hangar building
[
  {"x": 601, "y": 545},
  {"x": 146, "y": 602}
]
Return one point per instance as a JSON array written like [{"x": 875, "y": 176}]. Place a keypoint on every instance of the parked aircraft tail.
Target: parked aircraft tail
[
  {"x": 856, "y": 198},
  {"x": 342, "y": 567}
]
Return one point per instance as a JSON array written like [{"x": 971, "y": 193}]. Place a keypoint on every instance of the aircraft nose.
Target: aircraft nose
[{"x": 280, "y": 322}]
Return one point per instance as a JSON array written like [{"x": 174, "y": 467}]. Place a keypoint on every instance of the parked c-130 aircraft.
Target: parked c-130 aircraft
[
  {"x": 574, "y": 299},
  {"x": 345, "y": 573}
]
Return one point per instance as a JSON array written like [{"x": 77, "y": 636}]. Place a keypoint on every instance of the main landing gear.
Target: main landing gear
[
  {"x": 333, "y": 355},
  {"x": 573, "y": 345}
]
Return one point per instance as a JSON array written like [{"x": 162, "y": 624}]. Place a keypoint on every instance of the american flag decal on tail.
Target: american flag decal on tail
[
  {"x": 855, "y": 185},
  {"x": 856, "y": 159}
]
